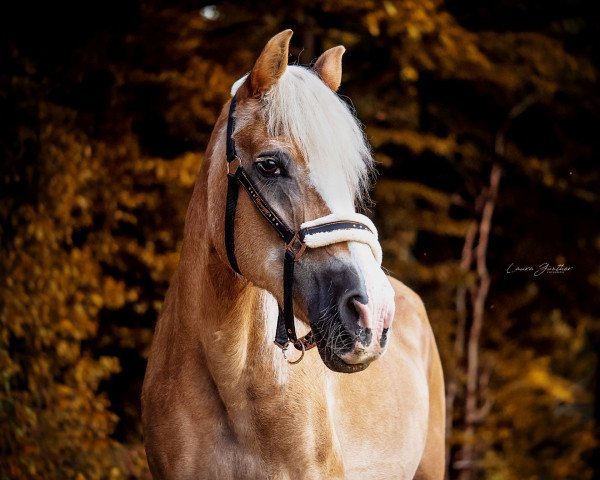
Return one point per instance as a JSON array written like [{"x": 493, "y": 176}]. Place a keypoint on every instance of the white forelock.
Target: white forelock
[
  {"x": 331, "y": 140},
  {"x": 301, "y": 107}
]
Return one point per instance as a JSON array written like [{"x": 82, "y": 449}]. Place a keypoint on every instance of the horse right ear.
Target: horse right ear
[
  {"x": 329, "y": 67},
  {"x": 271, "y": 64}
]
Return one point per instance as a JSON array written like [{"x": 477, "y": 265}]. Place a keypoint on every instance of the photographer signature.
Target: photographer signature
[{"x": 540, "y": 269}]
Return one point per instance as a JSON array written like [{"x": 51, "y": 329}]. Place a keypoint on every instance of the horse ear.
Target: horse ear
[
  {"x": 271, "y": 64},
  {"x": 329, "y": 67}
]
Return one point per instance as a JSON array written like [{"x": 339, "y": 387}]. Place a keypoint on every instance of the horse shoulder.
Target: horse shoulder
[
  {"x": 411, "y": 324},
  {"x": 410, "y": 306},
  {"x": 179, "y": 411}
]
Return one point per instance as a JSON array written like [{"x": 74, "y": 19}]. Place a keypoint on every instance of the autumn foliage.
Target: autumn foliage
[{"x": 103, "y": 124}]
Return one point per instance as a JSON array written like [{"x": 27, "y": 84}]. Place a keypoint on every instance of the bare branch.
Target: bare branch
[{"x": 477, "y": 401}]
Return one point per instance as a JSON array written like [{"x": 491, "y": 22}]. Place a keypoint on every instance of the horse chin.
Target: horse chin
[{"x": 335, "y": 363}]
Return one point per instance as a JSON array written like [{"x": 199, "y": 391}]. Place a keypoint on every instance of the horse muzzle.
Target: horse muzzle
[{"x": 350, "y": 314}]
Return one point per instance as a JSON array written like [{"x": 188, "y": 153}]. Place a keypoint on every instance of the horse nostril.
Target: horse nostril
[
  {"x": 384, "y": 337},
  {"x": 348, "y": 311},
  {"x": 365, "y": 335},
  {"x": 364, "y": 314},
  {"x": 359, "y": 318},
  {"x": 352, "y": 311}
]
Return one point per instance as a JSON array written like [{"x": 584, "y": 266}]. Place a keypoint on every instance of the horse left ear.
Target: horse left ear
[
  {"x": 271, "y": 64},
  {"x": 329, "y": 67}
]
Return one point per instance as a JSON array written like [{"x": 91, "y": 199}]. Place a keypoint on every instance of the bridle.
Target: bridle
[{"x": 316, "y": 233}]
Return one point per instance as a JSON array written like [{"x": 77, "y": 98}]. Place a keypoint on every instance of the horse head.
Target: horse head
[{"x": 306, "y": 159}]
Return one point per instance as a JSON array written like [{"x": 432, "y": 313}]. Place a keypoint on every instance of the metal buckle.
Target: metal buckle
[
  {"x": 229, "y": 165},
  {"x": 285, "y": 348},
  {"x": 296, "y": 246}
]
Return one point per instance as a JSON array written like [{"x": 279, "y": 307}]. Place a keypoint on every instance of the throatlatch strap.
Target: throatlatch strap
[
  {"x": 232, "y": 197},
  {"x": 286, "y": 328},
  {"x": 288, "y": 295},
  {"x": 281, "y": 336}
]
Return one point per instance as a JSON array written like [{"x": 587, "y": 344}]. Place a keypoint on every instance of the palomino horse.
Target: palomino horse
[{"x": 220, "y": 401}]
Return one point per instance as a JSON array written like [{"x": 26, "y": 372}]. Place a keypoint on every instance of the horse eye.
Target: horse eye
[{"x": 268, "y": 167}]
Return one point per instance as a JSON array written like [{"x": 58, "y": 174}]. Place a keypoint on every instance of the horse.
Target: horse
[{"x": 220, "y": 399}]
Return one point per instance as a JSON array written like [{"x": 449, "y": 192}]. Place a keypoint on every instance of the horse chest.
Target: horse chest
[
  {"x": 353, "y": 430},
  {"x": 286, "y": 438},
  {"x": 380, "y": 418}
]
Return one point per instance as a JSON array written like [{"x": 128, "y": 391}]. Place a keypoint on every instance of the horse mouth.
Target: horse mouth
[
  {"x": 326, "y": 347},
  {"x": 335, "y": 363}
]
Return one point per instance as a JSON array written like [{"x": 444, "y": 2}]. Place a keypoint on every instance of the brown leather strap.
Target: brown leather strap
[{"x": 285, "y": 232}]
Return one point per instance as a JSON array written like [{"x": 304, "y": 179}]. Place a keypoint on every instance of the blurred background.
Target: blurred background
[{"x": 484, "y": 118}]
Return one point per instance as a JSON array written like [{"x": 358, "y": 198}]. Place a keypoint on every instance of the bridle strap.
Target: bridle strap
[
  {"x": 286, "y": 329},
  {"x": 232, "y": 191},
  {"x": 230, "y": 208},
  {"x": 295, "y": 241},
  {"x": 286, "y": 317},
  {"x": 294, "y": 249},
  {"x": 239, "y": 176},
  {"x": 285, "y": 232}
]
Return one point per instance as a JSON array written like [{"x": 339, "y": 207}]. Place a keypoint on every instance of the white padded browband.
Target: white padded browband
[{"x": 322, "y": 239}]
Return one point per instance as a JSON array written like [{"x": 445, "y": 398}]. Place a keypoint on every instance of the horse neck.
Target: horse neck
[
  {"x": 230, "y": 320},
  {"x": 224, "y": 328}
]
